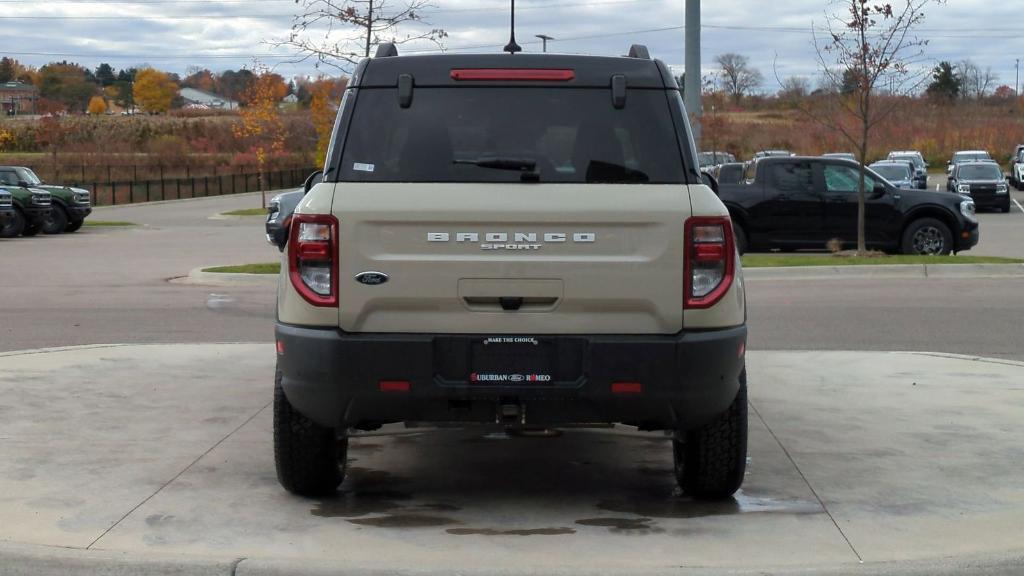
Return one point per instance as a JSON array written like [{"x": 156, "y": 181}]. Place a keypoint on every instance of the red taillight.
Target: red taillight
[
  {"x": 313, "y": 258},
  {"x": 627, "y": 388},
  {"x": 394, "y": 385},
  {"x": 527, "y": 74},
  {"x": 710, "y": 260}
]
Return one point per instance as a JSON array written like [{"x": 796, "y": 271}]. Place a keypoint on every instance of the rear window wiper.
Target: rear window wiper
[{"x": 501, "y": 163}]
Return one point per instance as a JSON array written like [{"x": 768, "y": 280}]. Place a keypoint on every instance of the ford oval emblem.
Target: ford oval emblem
[{"x": 371, "y": 278}]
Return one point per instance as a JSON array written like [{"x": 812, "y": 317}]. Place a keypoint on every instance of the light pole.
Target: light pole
[
  {"x": 691, "y": 88},
  {"x": 544, "y": 38},
  {"x": 1016, "y": 84}
]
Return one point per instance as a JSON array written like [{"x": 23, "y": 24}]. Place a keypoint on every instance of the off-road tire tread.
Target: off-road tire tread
[
  {"x": 742, "y": 242},
  {"x": 31, "y": 229},
  {"x": 55, "y": 213},
  {"x": 74, "y": 226},
  {"x": 310, "y": 458},
  {"x": 715, "y": 455},
  {"x": 15, "y": 228}
]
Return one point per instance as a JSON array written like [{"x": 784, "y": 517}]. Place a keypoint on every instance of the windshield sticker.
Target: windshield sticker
[{"x": 360, "y": 167}]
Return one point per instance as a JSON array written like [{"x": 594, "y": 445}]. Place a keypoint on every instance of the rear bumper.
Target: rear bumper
[{"x": 334, "y": 378}]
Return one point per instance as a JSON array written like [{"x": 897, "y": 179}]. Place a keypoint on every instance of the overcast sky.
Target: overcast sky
[{"x": 175, "y": 34}]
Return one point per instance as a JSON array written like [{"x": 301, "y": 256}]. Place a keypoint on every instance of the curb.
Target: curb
[
  {"x": 197, "y": 277},
  {"x": 38, "y": 560},
  {"x": 887, "y": 271}
]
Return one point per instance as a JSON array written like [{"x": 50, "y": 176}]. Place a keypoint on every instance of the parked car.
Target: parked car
[
  {"x": 7, "y": 213},
  {"x": 982, "y": 181},
  {"x": 709, "y": 160},
  {"x": 31, "y": 211},
  {"x": 1017, "y": 168},
  {"x": 966, "y": 156},
  {"x": 70, "y": 206},
  {"x": 803, "y": 202},
  {"x": 900, "y": 174},
  {"x": 771, "y": 153},
  {"x": 841, "y": 156},
  {"x": 730, "y": 173},
  {"x": 467, "y": 270},
  {"x": 920, "y": 166},
  {"x": 279, "y": 216}
]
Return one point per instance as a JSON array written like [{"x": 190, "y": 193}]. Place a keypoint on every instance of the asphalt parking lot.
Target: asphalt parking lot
[{"x": 153, "y": 442}]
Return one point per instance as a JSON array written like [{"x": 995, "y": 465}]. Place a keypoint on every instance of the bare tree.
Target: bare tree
[
  {"x": 794, "y": 88},
  {"x": 340, "y": 33},
  {"x": 976, "y": 82},
  {"x": 868, "y": 46},
  {"x": 738, "y": 77}
]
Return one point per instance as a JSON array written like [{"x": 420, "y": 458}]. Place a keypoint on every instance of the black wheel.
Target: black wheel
[
  {"x": 710, "y": 461},
  {"x": 310, "y": 458},
  {"x": 74, "y": 225},
  {"x": 32, "y": 228},
  {"x": 741, "y": 238},
  {"x": 56, "y": 222},
  {"x": 14, "y": 226},
  {"x": 927, "y": 237}
]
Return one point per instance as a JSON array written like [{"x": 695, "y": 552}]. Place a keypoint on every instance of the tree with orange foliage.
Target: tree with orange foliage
[
  {"x": 154, "y": 90},
  {"x": 97, "y": 106},
  {"x": 327, "y": 93},
  {"x": 261, "y": 124}
]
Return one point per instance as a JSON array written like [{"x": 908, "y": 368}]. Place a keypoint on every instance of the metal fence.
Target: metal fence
[
  {"x": 64, "y": 173},
  {"x": 132, "y": 191}
]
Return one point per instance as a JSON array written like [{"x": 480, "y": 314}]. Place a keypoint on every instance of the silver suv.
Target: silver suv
[{"x": 522, "y": 241}]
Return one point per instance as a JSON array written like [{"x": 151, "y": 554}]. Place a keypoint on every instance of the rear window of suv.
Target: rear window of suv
[{"x": 574, "y": 135}]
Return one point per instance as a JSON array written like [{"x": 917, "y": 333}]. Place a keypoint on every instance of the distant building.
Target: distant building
[
  {"x": 291, "y": 99},
  {"x": 18, "y": 98},
  {"x": 198, "y": 99}
]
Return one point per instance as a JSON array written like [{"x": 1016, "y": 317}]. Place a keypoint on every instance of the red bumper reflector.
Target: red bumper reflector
[
  {"x": 280, "y": 347},
  {"x": 627, "y": 388},
  {"x": 710, "y": 252},
  {"x": 316, "y": 251},
  {"x": 493, "y": 74},
  {"x": 395, "y": 386}
]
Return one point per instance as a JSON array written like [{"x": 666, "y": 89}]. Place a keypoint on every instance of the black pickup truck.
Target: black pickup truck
[{"x": 792, "y": 203}]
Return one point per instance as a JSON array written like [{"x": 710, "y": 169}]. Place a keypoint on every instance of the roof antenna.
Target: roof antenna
[{"x": 512, "y": 47}]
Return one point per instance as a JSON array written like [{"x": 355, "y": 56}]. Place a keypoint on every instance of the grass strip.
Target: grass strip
[
  {"x": 112, "y": 223},
  {"x": 261, "y": 268},
  {"x": 246, "y": 212},
  {"x": 781, "y": 260}
]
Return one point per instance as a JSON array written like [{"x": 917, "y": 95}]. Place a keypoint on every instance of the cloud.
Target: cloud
[{"x": 175, "y": 34}]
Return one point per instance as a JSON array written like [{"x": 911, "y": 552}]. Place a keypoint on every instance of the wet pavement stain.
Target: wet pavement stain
[
  {"x": 619, "y": 523},
  {"x": 355, "y": 504},
  {"x": 667, "y": 506},
  {"x": 405, "y": 521},
  {"x": 510, "y": 532},
  {"x": 158, "y": 519}
]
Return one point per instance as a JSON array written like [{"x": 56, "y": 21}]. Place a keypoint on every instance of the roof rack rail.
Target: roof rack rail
[
  {"x": 386, "y": 50},
  {"x": 639, "y": 51}
]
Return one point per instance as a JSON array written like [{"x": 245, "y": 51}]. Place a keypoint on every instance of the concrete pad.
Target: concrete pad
[{"x": 165, "y": 450}]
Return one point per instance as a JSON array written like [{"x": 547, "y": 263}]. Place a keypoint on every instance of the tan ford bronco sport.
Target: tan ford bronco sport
[{"x": 514, "y": 239}]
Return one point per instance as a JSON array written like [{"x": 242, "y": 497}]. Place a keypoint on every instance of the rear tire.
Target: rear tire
[
  {"x": 74, "y": 226},
  {"x": 15, "y": 226},
  {"x": 310, "y": 458},
  {"x": 927, "y": 237},
  {"x": 56, "y": 222},
  {"x": 741, "y": 238},
  {"x": 710, "y": 461}
]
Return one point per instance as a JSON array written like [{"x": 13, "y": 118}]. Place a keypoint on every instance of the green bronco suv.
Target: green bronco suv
[
  {"x": 31, "y": 211},
  {"x": 70, "y": 205}
]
